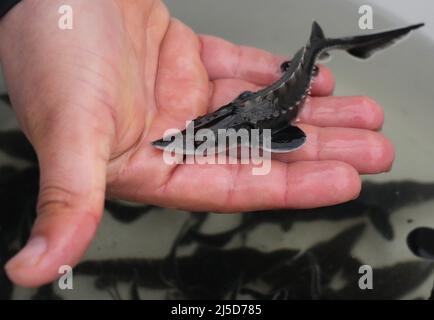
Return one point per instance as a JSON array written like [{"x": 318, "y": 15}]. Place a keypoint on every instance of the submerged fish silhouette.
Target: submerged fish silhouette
[
  {"x": 279, "y": 104},
  {"x": 377, "y": 201}
]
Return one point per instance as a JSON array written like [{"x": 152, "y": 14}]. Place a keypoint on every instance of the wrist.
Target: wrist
[
  {"x": 6, "y": 6},
  {"x": 11, "y": 21}
]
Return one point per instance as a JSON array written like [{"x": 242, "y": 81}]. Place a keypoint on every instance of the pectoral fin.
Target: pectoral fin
[{"x": 285, "y": 140}]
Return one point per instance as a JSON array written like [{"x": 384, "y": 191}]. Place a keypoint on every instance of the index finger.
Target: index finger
[{"x": 225, "y": 60}]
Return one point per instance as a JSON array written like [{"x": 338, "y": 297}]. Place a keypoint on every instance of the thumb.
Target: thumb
[{"x": 73, "y": 153}]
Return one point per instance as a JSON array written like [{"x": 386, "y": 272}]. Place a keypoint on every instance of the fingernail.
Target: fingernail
[{"x": 30, "y": 254}]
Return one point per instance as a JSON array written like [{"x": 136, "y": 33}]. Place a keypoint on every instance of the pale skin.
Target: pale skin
[{"x": 91, "y": 100}]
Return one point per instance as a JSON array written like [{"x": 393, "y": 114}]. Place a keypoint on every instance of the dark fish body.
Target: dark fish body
[{"x": 278, "y": 105}]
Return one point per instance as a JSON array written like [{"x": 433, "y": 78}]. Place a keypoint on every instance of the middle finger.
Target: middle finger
[
  {"x": 351, "y": 112},
  {"x": 367, "y": 151}
]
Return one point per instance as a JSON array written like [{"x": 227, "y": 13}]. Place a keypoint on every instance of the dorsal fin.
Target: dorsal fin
[{"x": 316, "y": 32}]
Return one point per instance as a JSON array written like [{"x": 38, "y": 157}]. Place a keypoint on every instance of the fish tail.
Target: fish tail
[{"x": 358, "y": 46}]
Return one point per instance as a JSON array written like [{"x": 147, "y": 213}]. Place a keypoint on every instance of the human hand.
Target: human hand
[{"x": 91, "y": 100}]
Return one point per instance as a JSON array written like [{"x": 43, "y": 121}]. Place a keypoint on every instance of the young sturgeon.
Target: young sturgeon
[{"x": 279, "y": 104}]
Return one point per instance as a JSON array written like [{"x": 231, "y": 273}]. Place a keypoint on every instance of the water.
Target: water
[
  {"x": 299, "y": 254},
  {"x": 421, "y": 242}
]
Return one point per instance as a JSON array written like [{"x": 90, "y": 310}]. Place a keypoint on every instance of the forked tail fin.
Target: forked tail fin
[{"x": 359, "y": 46}]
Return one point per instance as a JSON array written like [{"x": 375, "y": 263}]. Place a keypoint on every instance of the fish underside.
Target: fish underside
[{"x": 277, "y": 106}]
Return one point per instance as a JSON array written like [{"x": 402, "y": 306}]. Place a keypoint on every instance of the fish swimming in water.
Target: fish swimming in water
[{"x": 277, "y": 106}]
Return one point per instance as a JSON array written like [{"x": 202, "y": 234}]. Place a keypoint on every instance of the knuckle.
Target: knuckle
[{"x": 52, "y": 196}]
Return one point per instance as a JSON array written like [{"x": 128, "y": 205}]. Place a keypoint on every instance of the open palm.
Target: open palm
[{"x": 92, "y": 99}]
